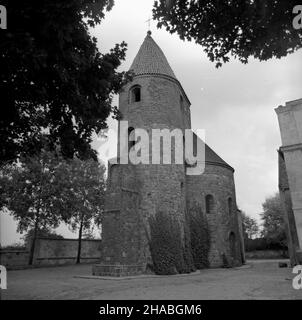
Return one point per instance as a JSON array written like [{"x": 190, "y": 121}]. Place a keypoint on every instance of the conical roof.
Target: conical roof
[
  {"x": 151, "y": 60},
  {"x": 211, "y": 157}
]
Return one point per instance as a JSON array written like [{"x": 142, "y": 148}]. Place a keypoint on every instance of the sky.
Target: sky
[{"x": 234, "y": 104}]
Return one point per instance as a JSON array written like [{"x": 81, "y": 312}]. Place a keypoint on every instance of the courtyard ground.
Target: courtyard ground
[{"x": 257, "y": 280}]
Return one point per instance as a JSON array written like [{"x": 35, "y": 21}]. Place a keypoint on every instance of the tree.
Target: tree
[
  {"x": 273, "y": 221},
  {"x": 83, "y": 188},
  {"x": 29, "y": 192},
  {"x": 53, "y": 78},
  {"x": 250, "y": 226},
  {"x": 42, "y": 191},
  {"x": 241, "y": 28}
]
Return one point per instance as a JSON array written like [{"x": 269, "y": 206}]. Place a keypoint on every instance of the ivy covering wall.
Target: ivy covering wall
[
  {"x": 179, "y": 251},
  {"x": 200, "y": 237}
]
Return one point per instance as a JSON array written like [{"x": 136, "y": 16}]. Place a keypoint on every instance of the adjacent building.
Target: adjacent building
[{"x": 290, "y": 174}]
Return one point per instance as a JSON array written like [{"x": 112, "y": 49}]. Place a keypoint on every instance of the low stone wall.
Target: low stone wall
[
  {"x": 64, "y": 251},
  {"x": 53, "y": 252},
  {"x": 266, "y": 254},
  {"x": 14, "y": 259}
]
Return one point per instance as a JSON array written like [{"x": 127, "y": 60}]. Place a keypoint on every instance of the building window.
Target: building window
[
  {"x": 230, "y": 205},
  {"x": 131, "y": 138},
  {"x": 181, "y": 102},
  {"x": 210, "y": 205},
  {"x": 135, "y": 94}
]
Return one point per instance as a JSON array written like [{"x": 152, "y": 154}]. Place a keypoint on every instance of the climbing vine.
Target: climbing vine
[
  {"x": 200, "y": 237},
  {"x": 167, "y": 251},
  {"x": 173, "y": 252}
]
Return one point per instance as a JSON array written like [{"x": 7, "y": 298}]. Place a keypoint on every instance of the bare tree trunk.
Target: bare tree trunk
[
  {"x": 33, "y": 243},
  {"x": 80, "y": 241}
]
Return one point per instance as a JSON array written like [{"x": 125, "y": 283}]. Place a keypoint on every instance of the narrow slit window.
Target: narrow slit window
[
  {"x": 210, "y": 206},
  {"x": 131, "y": 138}
]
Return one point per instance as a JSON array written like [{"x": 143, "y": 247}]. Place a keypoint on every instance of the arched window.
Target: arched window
[
  {"x": 135, "y": 94},
  {"x": 131, "y": 138},
  {"x": 230, "y": 205},
  {"x": 210, "y": 205}
]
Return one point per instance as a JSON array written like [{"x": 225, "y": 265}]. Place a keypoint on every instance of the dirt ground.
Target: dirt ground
[{"x": 257, "y": 280}]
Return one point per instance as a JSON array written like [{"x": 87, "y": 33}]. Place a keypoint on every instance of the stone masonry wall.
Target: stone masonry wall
[
  {"x": 121, "y": 219},
  {"x": 217, "y": 181},
  {"x": 161, "y": 186},
  {"x": 64, "y": 251},
  {"x": 53, "y": 252},
  {"x": 14, "y": 259}
]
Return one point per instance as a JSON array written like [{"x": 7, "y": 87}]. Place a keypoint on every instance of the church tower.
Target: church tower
[
  {"x": 154, "y": 99},
  {"x": 136, "y": 192}
]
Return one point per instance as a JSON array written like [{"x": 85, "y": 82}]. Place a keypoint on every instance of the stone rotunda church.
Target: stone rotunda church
[{"x": 155, "y": 99}]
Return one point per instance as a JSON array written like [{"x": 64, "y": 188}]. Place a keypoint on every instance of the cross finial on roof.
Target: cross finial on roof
[{"x": 149, "y": 26}]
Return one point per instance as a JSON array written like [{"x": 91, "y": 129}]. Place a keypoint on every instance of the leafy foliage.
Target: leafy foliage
[
  {"x": 273, "y": 221},
  {"x": 169, "y": 253},
  {"x": 200, "y": 237},
  {"x": 53, "y": 78},
  {"x": 165, "y": 245},
  {"x": 28, "y": 191},
  {"x": 83, "y": 187},
  {"x": 263, "y": 244},
  {"x": 42, "y": 191},
  {"x": 241, "y": 28},
  {"x": 88, "y": 234},
  {"x": 250, "y": 226}
]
